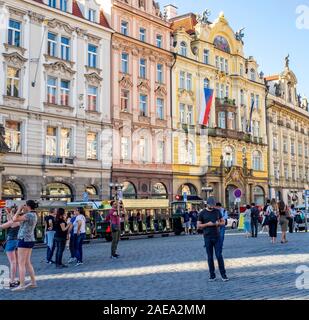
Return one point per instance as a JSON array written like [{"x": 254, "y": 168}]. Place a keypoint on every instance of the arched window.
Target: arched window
[
  {"x": 252, "y": 74},
  {"x": 209, "y": 154},
  {"x": 222, "y": 44},
  {"x": 57, "y": 191},
  {"x": 129, "y": 190},
  {"x": 12, "y": 190},
  {"x": 92, "y": 192},
  {"x": 257, "y": 161},
  {"x": 188, "y": 188},
  {"x": 221, "y": 120},
  {"x": 229, "y": 156},
  {"x": 206, "y": 83},
  {"x": 159, "y": 191},
  {"x": 183, "y": 49}
]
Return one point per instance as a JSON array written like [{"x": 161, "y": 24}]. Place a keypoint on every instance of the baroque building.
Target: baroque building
[
  {"x": 141, "y": 115},
  {"x": 288, "y": 136},
  {"x": 231, "y": 152},
  {"x": 55, "y": 99}
]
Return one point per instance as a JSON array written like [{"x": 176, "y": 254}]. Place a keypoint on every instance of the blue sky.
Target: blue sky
[{"x": 270, "y": 33}]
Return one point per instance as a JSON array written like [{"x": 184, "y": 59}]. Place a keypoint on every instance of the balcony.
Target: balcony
[
  {"x": 257, "y": 140},
  {"x": 227, "y": 133},
  {"x": 225, "y": 102},
  {"x": 58, "y": 161}
]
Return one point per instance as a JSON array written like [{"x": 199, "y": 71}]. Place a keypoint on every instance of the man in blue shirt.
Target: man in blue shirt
[{"x": 224, "y": 216}]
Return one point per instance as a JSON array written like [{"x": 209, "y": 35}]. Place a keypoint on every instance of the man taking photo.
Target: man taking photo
[{"x": 210, "y": 220}]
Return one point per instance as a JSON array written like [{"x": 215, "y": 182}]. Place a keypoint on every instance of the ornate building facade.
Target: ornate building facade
[
  {"x": 288, "y": 136},
  {"x": 141, "y": 115},
  {"x": 55, "y": 99},
  {"x": 232, "y": 151}
]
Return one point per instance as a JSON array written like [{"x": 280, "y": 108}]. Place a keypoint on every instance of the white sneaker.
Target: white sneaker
[
  {"x": 78, "y": 264},
  {"x": 71, "y": 260}
]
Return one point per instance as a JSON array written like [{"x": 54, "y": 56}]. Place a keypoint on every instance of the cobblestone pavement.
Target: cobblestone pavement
[{"x": 173, "y": 268}]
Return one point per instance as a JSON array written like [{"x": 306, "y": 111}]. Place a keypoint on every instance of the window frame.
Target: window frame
[
  {"x": 92, "y": 56},
  {"x": 13, "y": 32},
  {"x": 12, "y": 82}
]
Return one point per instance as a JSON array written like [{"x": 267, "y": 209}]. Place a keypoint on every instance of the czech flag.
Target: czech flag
[{"x": 205, "y": 109}]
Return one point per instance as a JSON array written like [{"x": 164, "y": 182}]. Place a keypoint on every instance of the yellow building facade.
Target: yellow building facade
[{"x": 231, "y": 151}]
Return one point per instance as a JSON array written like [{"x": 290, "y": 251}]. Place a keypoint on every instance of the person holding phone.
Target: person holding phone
[
  {"x": 79, "y": 229},
  {"x": 114, "y": 219}
]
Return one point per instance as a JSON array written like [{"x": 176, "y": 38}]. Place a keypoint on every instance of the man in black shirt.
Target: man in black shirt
[
  {"x": 49, "y": 235},
  {"x": 210, "y": 220},
  {"x": 255, "y": 213}
]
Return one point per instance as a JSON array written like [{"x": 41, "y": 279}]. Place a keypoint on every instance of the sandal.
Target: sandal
[{"x": 19, "y": 288}]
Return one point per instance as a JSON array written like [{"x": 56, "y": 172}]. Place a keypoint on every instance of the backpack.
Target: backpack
[{"x": 272, "y": 216}]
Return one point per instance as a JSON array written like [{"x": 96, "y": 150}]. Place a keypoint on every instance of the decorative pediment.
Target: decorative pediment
[
  {"x": 235, "y": 176},
  {"x": 126, "y": 82},
  {"x": 144, "y": 86},
  {"x": 185, "y": 95},
  {"x": 56, "y": 24},
  {"x": 35, "y": 17},
  {"x": 14, "y": 59},
  {"x": 93, "y": 78},
  {"x": 59, "y": 68},
  {"x": 161, "y": 91}
]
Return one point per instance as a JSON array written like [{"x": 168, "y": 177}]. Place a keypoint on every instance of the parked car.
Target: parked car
[{"x": 232, "y": 221}]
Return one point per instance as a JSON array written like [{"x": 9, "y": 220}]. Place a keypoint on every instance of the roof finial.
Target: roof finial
[{"x": 287, "y": 61}]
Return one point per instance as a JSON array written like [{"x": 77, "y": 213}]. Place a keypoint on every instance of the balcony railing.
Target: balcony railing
[
  {"x": 226, "y": 101},
  {"x": 54, "y": 160}
]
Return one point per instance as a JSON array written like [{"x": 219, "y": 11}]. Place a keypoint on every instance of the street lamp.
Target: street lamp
[{"x": 207, "y": 190}]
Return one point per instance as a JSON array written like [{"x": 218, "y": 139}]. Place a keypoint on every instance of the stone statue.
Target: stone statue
[
  {"x": 240, "y": 35},
  {"x": 204, "y": 17},
  {"x": 277, "y": 89},
  {"x": 299, "y": 100},
  {"x": 287, "y": 61}
]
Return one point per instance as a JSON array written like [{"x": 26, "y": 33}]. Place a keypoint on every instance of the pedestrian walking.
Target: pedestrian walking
[
  {"x": 225, "y": 216},
  {"x": 193, "y": 218},
  {"x": 247, "y": 220},
  {"x": 186, "y": 221},
  {"x": 61, "y": 228},
  {"x": 272, "y": 213},
  {"x": 114, "y": 220},
  {"x": 265, "y": 218},
  {"x": 49, "y": 222},
  {"x": 283, "y": 220},
  {"x": 79, "y": 227},
  {"x": 11, "y": 243},
  {"x": 70, "y": 222},
  {"x": 27, "y": 218},
  {"x": 255, "y": 213},
  {"x": 291, "y": 217},
  {"x": 209, "y": 221}
]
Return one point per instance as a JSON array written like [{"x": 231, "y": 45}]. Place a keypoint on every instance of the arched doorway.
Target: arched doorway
[
  {"x": 57, "y": 192},
  {"x": 129, "y": 190},
  {"x": 92, "y": 192},
  {"x": 189, "y": 188},
  {"x": 12, "y": 190},
  {"x": 229, "y": 197},
  {"x": 159, "y": 191},
  {"x": 258, "y": 196}
]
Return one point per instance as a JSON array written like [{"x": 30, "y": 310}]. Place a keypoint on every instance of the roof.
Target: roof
[
  {"x": 187, "y": 21},
  {"x": 103, "y": 21},
  {"x": 76, "y": 10},
  {"x": 272, "y": 78}
]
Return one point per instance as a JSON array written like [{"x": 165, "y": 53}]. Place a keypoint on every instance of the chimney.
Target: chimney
[{"x": 171, "y": 11}]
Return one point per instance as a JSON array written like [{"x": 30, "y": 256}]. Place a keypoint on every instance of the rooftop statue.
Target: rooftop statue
[
  {"x": 240, "y": 35},
  {"x": 287, "y": 61},
  {"x": 203, "y": 18}
]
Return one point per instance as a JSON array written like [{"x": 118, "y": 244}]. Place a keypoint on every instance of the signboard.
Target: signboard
[
  {"x": 238, "y": 200},
  {"x": 237, "y": 193},
  {"x": 85, "y": 197},
  {"x": 185, "y": 197}
]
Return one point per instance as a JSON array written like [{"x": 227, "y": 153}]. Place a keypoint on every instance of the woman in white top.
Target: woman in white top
[{"x": 79, "y": 228}]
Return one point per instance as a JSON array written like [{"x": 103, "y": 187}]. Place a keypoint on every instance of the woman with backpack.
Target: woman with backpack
[
  {"x": 284, "y": 222},
  {"x": 272, "y": 213}
]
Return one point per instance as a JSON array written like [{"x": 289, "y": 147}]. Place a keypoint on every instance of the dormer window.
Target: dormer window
[
  {"x": 252, "y": 75},
  {"x": 183, "y": 49},
  {"x": 64, "y": 5},
  {"x": 52, "y": 3},
  {"x": 92, "y": 14}
]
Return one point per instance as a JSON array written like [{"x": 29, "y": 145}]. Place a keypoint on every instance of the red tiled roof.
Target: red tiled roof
[
  {"x": 103, "y": 21},
  {"x": 187, "y": 21},
  {"x": 76, "y": 10},
  {"x": 272, "y": 78}
]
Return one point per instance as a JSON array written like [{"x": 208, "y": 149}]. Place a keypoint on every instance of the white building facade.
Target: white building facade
[{"x": 55, "y": 99}]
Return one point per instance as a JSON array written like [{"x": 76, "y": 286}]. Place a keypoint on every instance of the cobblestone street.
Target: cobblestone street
[{"x": 173, "y": 268}]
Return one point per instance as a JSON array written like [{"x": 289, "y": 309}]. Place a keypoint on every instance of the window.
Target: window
[
  {"x": 252, "y": 75},
  {"x": 124, "y": 28},
  {"x": 189, "y": 81},
  {"x": 300, "y": 148},
  {"x": 275, "y": 143},
  {"x": 209, "y": 154},
  {"x": 190, "y": 115},
  {"x": 221, "y": 120},
  {"x": 124, "y": 148},
  {"x": 206, "y": 56},
  {"x": 256, "y": 129},
  {"x": 276, "y": 172},
  {"x": 52, "y": 3},
  {"x": 227, "y": 91},
  {"x": 217, "y": 62},
  {"x": 286, "y": 172},
  {"x": 241, "y": 69},
  {"x": 51, "y": 141},
  {"x": 143, "y": 105},
  {"x": 182, "y": 80},
  {"x": 221, "y": 64},
  {"x": 14, "y": 33},
  {"x": 159, "y": 41},
  {"x": 217, "y": 90},
  {"x": 13, "y": 136},
  {"x": 64, "y": 92},
  {"x": 306, "y": 151},
  {"x": 257, "y": 102},
  {"x": 293, "y": 173},
  {"x": 64, "y": 5},
  {"x": 160, "y": 152},
  {"x": 257, "y": 161},
  {"x": 292, "y": 147},
  {"x": 160, "y": 108},
  {"x": 229, "y": 157},
  {"x": 160, "y": 73},
  {"x": 222, "y": 91},
  {"x": 52, "y": 90},
  {"x": 243, "y": 124},
  {"x": 92, "y": 56},
  {"x": 65, "y": 142},
  {"x": 142, "y": 34},
  {"x": 183, "y": 49},
  {"x": 92, "y": 146},
  {"x": 252, "y": 100},
  {"x": 92, "y": 98},
  {"x": 226, "y": 65},
  {"x": 285, "y": 145},
  {"x": 142, "y": 68},
  {"x": 206, "y": 83},
  {"x": 142, "y": 149},
  {"x": 182, "y": 118},
  {"x": 92, "y": 15},
  {"x": 65, "y": 48},
  {"x": 13, "y": 82},
  {"x": 124, "y": 100},
  {"x": 242, "y": 97},
  {"x": 52, "y": 44},
  {"x": 124, "y": 63}
]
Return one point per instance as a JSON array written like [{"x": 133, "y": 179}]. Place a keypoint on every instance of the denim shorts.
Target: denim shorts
[
  {"x": 11, "y": 245},
  {"x": 25, "y": 244}
]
